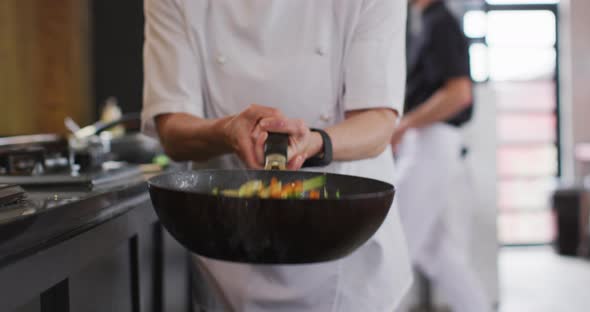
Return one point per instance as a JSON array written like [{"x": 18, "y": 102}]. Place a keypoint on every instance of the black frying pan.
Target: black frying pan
[{"x": 269, "y": 231}]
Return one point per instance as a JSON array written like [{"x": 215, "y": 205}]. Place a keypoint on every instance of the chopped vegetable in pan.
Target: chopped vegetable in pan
[{"x": 306, "y": 189}]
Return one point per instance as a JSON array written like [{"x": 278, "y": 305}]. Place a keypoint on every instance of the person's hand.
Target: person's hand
[
  {"x": 302, "y": 142},
  {"x": 398, "y": 134},
  {"x": 243, "y": 135}
]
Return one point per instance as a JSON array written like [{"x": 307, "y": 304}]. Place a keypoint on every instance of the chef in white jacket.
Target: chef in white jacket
[{"x": 336, "y": 65}]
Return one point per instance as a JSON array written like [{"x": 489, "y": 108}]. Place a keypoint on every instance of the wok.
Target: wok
[{"x": 268, "y": 231}]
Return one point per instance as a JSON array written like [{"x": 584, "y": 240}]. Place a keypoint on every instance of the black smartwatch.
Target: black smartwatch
[{"x": 323, "y": 158}]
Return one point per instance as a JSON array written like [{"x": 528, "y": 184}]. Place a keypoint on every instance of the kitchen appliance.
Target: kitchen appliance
[
  {"x": 15, "y": 207},
  {"x": 10, "y": 194},
  {"x": 571, "y": 206},
  {"x": 269, "y": 231},
  {"x": 83, "y": 159}
]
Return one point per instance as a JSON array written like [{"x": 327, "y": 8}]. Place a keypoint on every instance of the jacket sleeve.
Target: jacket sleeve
[
  {"x": 375, "y": 62},
  {"x": 172, "y": 66}
]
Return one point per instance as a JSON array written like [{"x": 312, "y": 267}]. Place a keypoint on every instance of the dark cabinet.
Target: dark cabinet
[{"x": 128, "y": 263}]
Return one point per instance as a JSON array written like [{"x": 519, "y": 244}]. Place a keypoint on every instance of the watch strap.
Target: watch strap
[{"x": 326, "y": 153}]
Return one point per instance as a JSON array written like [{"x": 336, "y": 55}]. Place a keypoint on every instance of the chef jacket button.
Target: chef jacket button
[
  {"x": 325, "y": 117},
  {"x": 221, "y": 59}
]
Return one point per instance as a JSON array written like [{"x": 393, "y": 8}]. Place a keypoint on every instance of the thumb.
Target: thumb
[{"x": 297, "y": 162}]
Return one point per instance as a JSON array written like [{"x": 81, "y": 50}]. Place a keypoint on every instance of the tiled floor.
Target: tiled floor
[{"x": 538, "y": 280}]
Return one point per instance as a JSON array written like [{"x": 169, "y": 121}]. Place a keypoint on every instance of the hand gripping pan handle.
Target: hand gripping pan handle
[{"x": 275, "y": 151}]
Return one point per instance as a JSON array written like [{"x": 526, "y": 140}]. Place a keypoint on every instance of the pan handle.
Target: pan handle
[{"x": 275, "y": 151}]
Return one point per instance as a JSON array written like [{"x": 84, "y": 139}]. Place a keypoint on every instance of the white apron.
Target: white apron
[
  {"x": 313, "y": 60},
  {"x": 428, "y": 159}
]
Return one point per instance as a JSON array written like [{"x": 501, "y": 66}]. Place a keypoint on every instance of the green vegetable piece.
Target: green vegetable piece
[
  {"x": 314, "y": 183},
  {"x": 230, "y": 193},
  {"x": 215, "y": 191},
  {"x": 337, "y": 194},
  {"x": 250, "y": 188},
  {"x": 161, "y": 160},
  {"x": 264, "y": 192}
]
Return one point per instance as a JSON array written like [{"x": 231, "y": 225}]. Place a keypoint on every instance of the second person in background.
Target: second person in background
[{"x": 428, "y": 146}]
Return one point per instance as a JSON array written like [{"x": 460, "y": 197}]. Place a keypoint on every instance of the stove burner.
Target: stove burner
[
  {"x": 88, "y": 179},
  {"x": 36, "y": 155},
  {"x": 10, "y": 194},
  {"x": 43, "y": 160},
  {"x": 22, "y": 161}
]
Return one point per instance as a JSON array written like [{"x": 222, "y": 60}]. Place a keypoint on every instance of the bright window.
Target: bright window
[
  {"x": 513, "y": 49},
  {"x": 479, "y": 61},
  {"x": 525, "y": 96},
  {"x": 521, "y": 63},
  {"x": 526, "y": 128},
  {"x": 475, "y": 24},
  {"x": 521, "y": 29},
  {"x": 525, "y": 194},
  {"x": 522, "y": 1},
  {"x": 526, "y": 161}
]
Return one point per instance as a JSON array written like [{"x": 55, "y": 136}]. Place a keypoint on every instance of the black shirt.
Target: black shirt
[{"x": 439, "y": 52}]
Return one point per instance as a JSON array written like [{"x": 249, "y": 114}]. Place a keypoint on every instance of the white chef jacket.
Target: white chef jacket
[{"x": 314, "y": 60}]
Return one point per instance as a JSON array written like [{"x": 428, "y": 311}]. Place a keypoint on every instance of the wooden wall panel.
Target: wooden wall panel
[
  {"x": 15, "y": 72},
  {"x": 44, "y": 74}
]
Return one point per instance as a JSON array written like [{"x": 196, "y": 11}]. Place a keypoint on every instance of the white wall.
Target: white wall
[
  {"x": 480, "y": 136},
  {"x": 575, "y": 82},
  {"x": 479, "y": 179}
]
